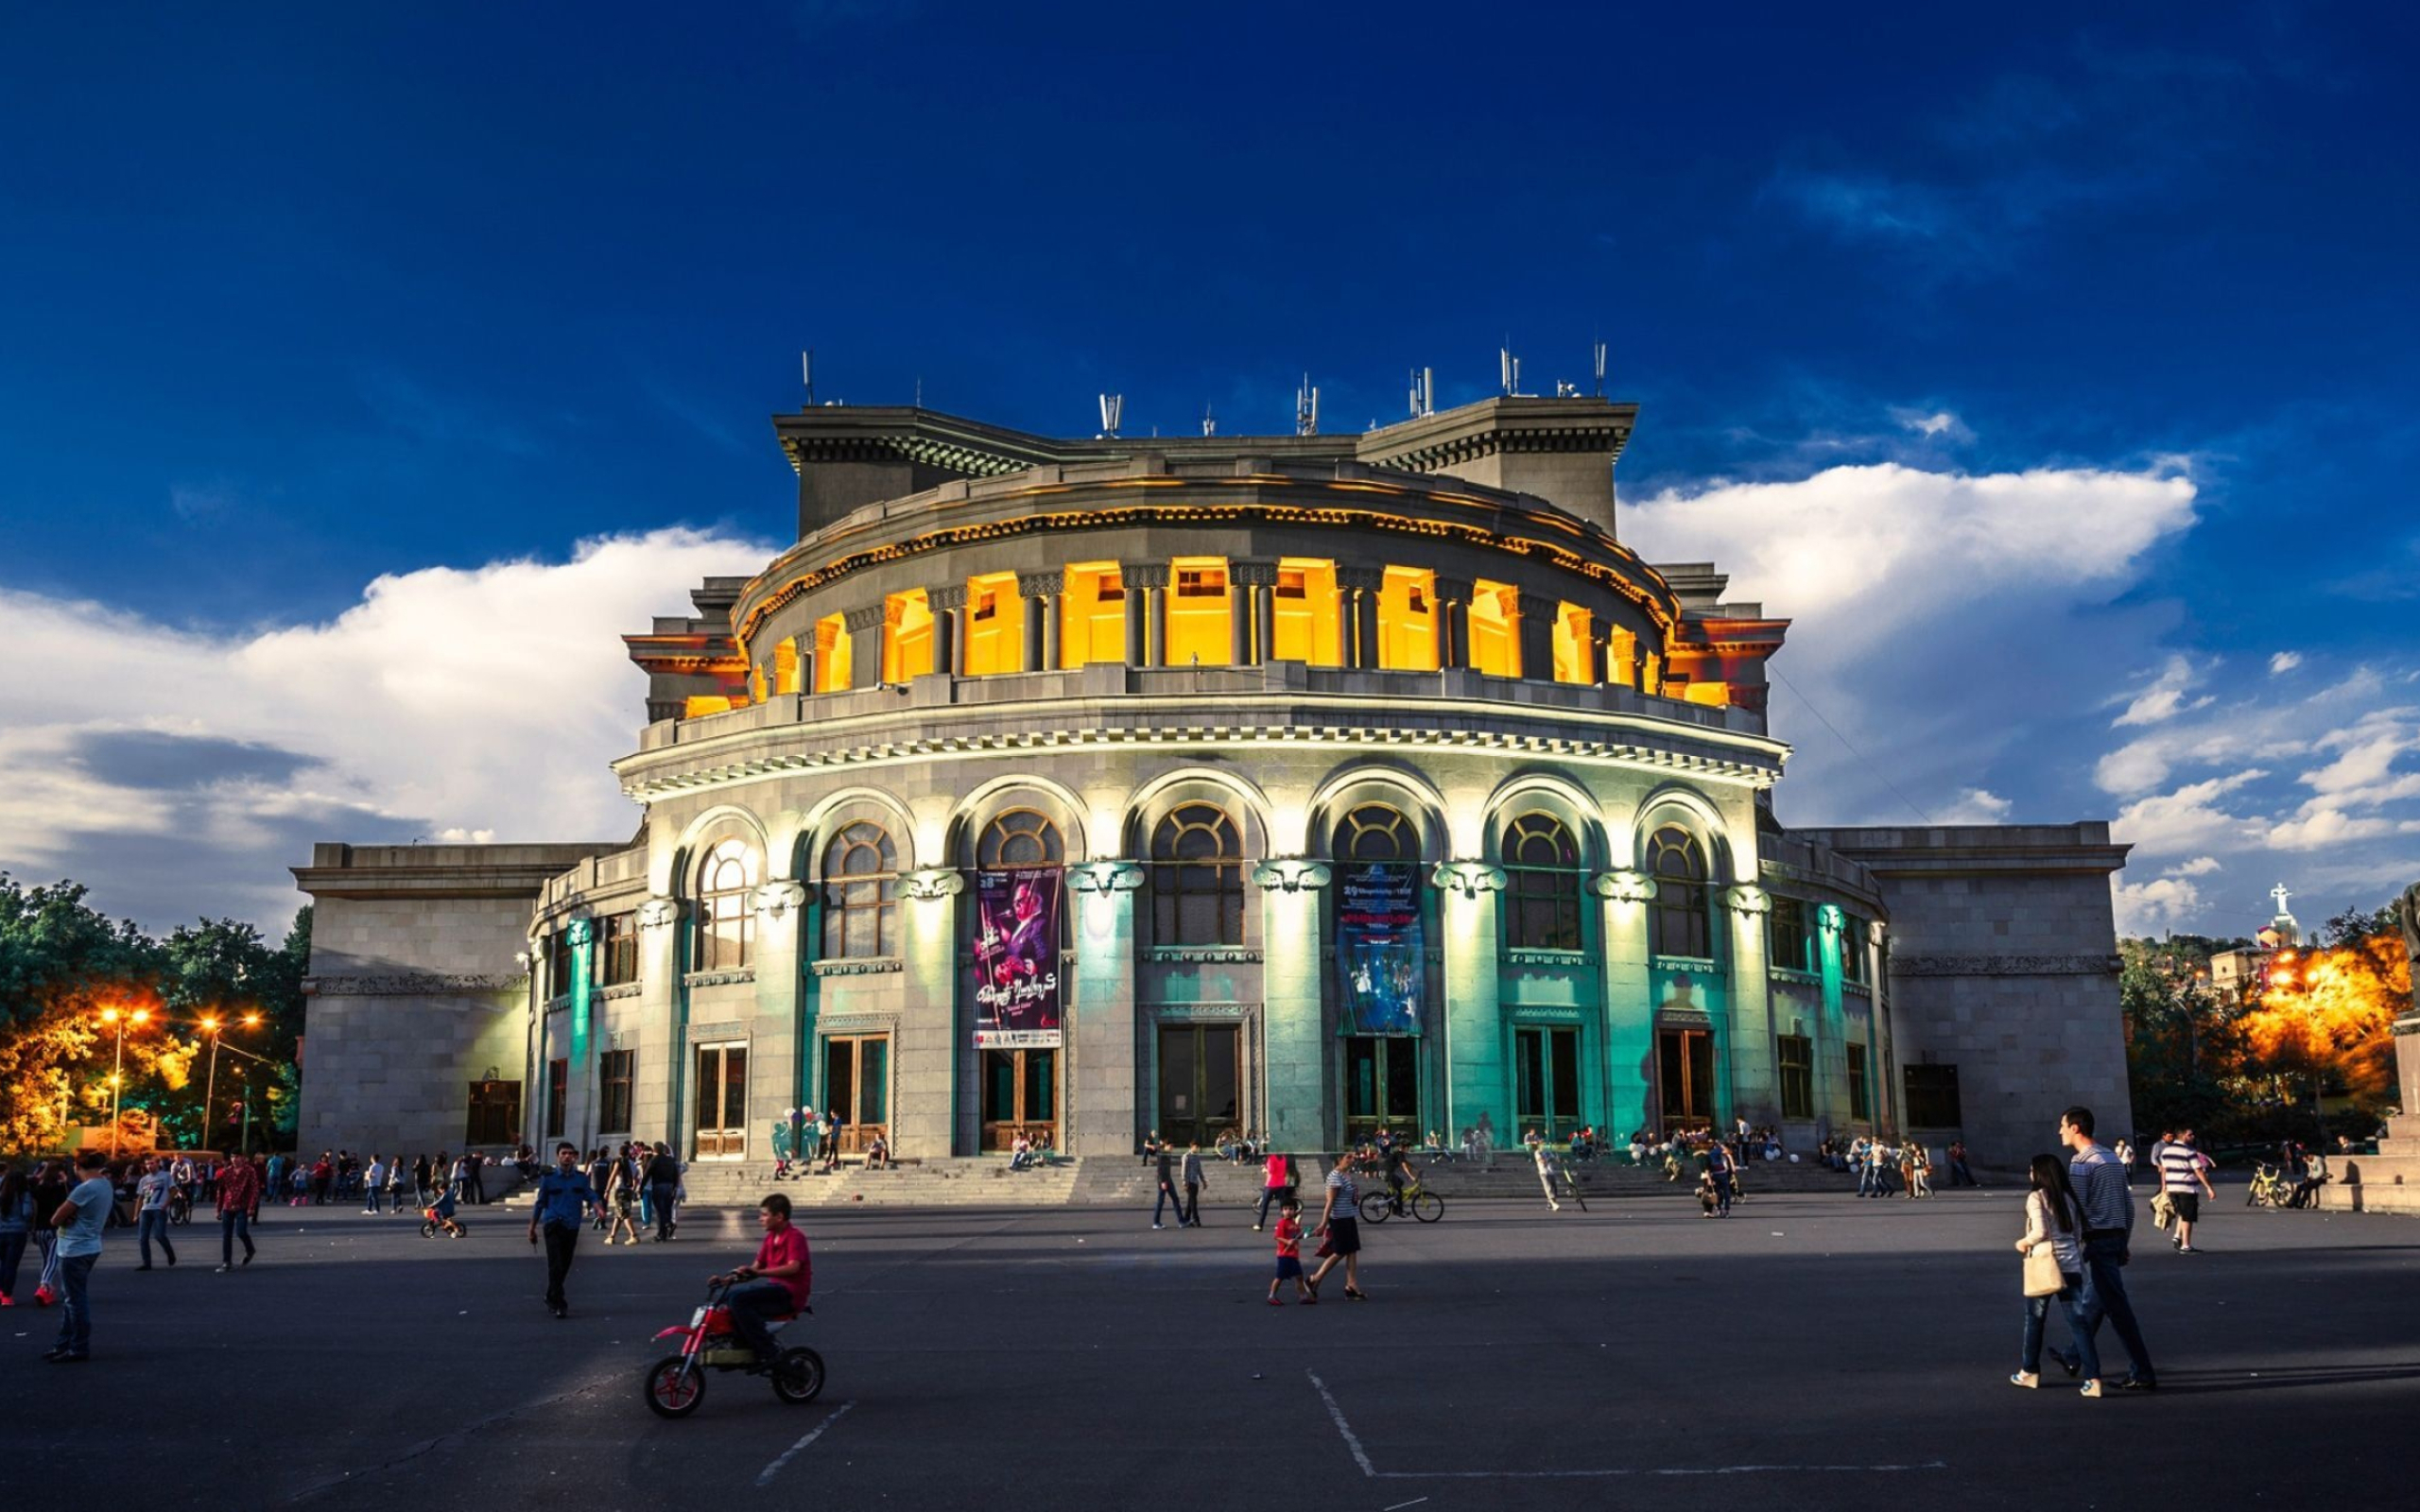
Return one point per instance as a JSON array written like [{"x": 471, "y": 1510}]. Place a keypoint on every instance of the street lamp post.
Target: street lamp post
[
  {"x": 210, "y": 1095},
  {"x": 117, "y": 1073}
]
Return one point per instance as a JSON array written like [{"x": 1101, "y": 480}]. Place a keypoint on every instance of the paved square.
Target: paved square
[{"x": 1813, "y": 1350}]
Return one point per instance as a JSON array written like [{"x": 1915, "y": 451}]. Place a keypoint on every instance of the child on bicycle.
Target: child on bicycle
[
  {"x": 442, "y": 1212},
  {"x": 1289, "y": 1255}
]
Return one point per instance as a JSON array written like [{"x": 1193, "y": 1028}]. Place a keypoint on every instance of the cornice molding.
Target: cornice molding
[
  {"x": 858, "y": 966},
  {"x": 1529, "y": 955},
  {"x": 718, "y": 978},
  {"x": 1201, "y": 955}
]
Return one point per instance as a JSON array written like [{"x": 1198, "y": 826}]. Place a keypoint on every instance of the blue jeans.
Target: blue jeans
[
  {"x": 12, "y": 1254},
  {"x": 1267, "y": 1196},
  {"x": 2104, "y": 1296},
  {"x": 1168, "y": 1198},
  {"x": 232, "y": 1227},
  {"x": 750, "y": 1304},
  {"x": 151, "y": 1223},
  {"x": 76, "y": 1303},
  {"x": 2071, "y": 1302}
]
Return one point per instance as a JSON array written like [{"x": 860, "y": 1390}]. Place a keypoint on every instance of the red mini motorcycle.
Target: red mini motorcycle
[{"x": 677, "y": 1383}]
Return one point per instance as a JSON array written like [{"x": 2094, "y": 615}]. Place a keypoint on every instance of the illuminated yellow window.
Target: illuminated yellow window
[
  {"x": 1621, "y": 658},
  {"x": 756, "y": 683},
  {"x": 1408, "y": 620},
  {"x": 1496, "y": 630},
  {"x": 1572, "y": 628},
  {"x": 1714, "y": 694},
  {"x": 995, "y": 626},
  {"x": 704, "y": 703},
  {"x": 786, "y": 666},
  {"x": 1198, "y": 622},
  {"x": 907, "y": 636},
  {"x": 831, "y": 654},
  {"x": 1309, "y": 620},
  {"x": 1092, "y": 614}
]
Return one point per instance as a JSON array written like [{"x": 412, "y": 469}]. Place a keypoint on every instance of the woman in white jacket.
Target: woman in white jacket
[{"x": 2054, "y": 1217}]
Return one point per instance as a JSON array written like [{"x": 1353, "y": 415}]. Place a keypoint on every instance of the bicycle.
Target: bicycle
[
  {"x": 2269, "y": 1188},
  {"x": 179, "y": 1206},
  {"x": 1425, "y": 1206}
]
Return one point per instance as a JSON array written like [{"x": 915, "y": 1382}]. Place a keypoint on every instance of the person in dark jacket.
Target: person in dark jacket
[
  {"x": 662, "y": 1185},
  {"x": 1168, "y": 1192}
]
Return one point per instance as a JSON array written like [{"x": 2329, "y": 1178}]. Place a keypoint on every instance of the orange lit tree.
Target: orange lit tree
[{"x": 2324, "y": 1021}]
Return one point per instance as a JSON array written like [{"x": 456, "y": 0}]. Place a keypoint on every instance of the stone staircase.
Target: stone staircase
[
  {"x": 2388, "y": 1181},
  {"x": 966, "y": 1181}
]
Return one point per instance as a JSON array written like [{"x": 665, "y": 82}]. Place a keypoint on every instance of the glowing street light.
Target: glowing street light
[
  {"x": 210, "y": 1024},
  {"x": 117, "y": 1076}
]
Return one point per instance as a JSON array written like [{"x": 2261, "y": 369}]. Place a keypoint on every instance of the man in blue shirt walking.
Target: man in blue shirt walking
[
  {"x": 2100, "y": 1187},
  {"x": 565, "y": 1201},
  {"x": 80, "y": 1220}
]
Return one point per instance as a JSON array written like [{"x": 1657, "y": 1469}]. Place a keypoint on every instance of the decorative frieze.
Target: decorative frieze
[
  {"x": 2091, "y": 964},
  {"x": 414, "y": 983},
  {"x": 926, "y": 884},
  {"x": 1201, "y": 955},
  {"x": 718, "y": 978},
  {"x": 1105, "y": 876},
  {"x": 775, "y": 899},
  {"x": 1469, "y": 878},
  {"x": 858, "y": 966},
  {"x": 658, "y": 912},
  {"x": 619, "y": 992},
  {"x": 1291, "y": 873},
  {"x": 1623, "y": 886},
  {"x": 1748, "y": 902},
  {"x": 1527, "y": 956}
]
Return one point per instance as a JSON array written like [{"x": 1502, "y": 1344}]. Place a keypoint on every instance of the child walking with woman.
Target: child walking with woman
[
  {"x": 2053, "y": 1217},
  {"x": 1290, "y": 1256}
]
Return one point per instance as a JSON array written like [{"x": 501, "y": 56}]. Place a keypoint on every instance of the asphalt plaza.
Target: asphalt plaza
[{"x": 1812, "y": 1349}]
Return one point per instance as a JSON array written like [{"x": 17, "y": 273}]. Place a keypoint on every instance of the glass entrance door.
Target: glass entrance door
[
  {"x": 857, "y": 1086},
  {"x": 1685, "y": 1077},
  {"x": 722, "y": 1102},
  {"x": 1200, "y": 1082},
  {"x": 1546, "y": 1080},
  {"x": 1020, "y": 1092},
  {"x": 1381, "y": 1088}
]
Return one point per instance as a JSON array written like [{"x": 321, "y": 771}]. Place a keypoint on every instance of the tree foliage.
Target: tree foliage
[
  {"x": 63, "y": 964},
  {"x": 2325, "y": 1022}
]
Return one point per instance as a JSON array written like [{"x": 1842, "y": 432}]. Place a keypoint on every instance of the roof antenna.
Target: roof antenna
[
  {"x": 1424, "y": 392},
  {"x": 806, "y": 371},
  {"x": 1510, "y": 367},
  {"x": 1306, "y": 408},
  {"x": 920, "y": 390},
  {"x": 1209, "y": 421},
  {"x": 1600, "y": 370},
  {"x": 1112, "y": 409}
]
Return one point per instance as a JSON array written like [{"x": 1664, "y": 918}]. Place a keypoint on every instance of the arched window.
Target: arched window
[
  {"x": 1197, "y": 878},
  {"x": 1376, "y": 833},
  {"x": 1020, "y": 837},
  {"x": 1541, "y": 884},
  {"x": 860, "y": 892},
  {"x": 1677, "y": 921},
  {"x": 725, "y": 923}
]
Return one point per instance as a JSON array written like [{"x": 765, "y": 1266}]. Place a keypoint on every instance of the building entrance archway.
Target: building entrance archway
[
  {"x": 1200, "y": 1082},
  {"x": 1020, "y": 1094},
  {"x": 1685, "y": 1079}
]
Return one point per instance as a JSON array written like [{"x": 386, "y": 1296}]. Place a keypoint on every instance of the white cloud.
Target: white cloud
[
  {"x": 2198, "y": 867},
  {"x": 2284, "y": 662},
  {"x": 2147, "y": 907},
  {"x": 2185, "y": 819},
  {"x": 1975, "y": 806},
  {"x": 181, "y": 771},
  {"x": 2325, "y": 827},
  {"x": 1907, "y": 589},
  {"x": 1932, "y": 425},
  {"x": 2165, "y": 697}
]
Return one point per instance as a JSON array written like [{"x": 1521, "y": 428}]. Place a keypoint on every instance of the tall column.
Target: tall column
[
  {"x": 1101, "y": 1089},
  {"x": 1453, "y": 630},
  {"x": 865, "y": 645},
  {"x": 1293, "y": 1041},
  {"x": 1255, "y": 611},
  {"x": 1630, "y": 1007},
  {"x": 1474, "y": 1047},
  {"x": 663, "y": 1027},
  {"x": 1884, "y": 1069},
  {"x": 774, "y": 1057},
  {"x": 1751, "y": 1090},
  {"x": 1138, "y": 612},
  {"x": 1538, "y": 614},
  {"x": 1361, "y": 587},
  {"x": 949, "y": 628},
  {"x": 806, "y": 669},
  {"x": 580, "y": 1059},
  {"x": 1041, "y": 592},
  {"x": 1149, "y": 581},
  {"x": 924, "y": 1075}
]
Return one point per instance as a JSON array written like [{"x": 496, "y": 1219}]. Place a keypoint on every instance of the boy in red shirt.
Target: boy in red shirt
[
  {"x": 778, "y": 1283},
  {"x": 1290, "y": 1256}
]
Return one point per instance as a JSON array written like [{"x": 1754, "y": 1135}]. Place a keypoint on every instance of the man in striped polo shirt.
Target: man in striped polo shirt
[
  {"x": 2180, "y": 1168},
  {"x": 2108, "y": 1229}
]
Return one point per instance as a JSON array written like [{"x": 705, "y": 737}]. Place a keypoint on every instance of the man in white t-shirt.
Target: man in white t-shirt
[
  {"x": 151, "y": 1211},
  {"x": 2180, "y": 1168}
]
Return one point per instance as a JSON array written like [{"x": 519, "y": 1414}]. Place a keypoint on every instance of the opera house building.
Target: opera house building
[{"x": 1301, "y": 785}]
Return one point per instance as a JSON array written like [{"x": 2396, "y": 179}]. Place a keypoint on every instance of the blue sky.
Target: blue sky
[{"x": 326, "y": 333}]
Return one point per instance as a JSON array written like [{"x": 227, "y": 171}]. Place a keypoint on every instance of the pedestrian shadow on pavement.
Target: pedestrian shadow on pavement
[{"x": 2280, "y": 1378}]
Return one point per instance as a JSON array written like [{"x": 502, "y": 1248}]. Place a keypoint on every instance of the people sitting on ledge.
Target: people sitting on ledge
[
  {"x": 1151, "y": 1146},
  {"x": 1021, "y": 1152},
  {"x": 878, "y": 1154}
]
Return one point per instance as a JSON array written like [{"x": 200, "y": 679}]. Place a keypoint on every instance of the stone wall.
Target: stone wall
[{"x": 2003, "y": 962}]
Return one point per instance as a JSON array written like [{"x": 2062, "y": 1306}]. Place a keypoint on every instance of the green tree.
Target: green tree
[{"x": 2184, "y": 1051}]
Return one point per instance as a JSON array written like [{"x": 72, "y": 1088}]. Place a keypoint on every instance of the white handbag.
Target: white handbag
[{"x": 2041, "y": 1277}]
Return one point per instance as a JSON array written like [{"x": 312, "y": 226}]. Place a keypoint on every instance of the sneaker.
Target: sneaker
[
  {"x": 224, "y": 1269},
  {"x": 2187, "y": 1250},
  {"x": 2027, "y": 1379},
  {"x": 1159, "y": 1226},
  {"x": 2069, "y": 1363},
  {"x": 68, "y": 1359},
  {"x": 2090, "y": 1388},
  {"x": 1274, "y": 1302},
  {"x": 2139, "y": 1383}
]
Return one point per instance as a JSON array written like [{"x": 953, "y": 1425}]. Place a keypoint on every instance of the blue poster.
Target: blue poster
[{"x": 1381, "y": 952}]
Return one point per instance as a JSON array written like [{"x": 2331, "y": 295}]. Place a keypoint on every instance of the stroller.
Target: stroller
[{"x": 438, "y": 1217}]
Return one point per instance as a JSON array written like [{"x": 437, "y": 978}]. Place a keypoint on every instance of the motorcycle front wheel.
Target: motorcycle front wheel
[
  {"x": 798, "y": 1376},
  {"x": 671, "y": 1394}
]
